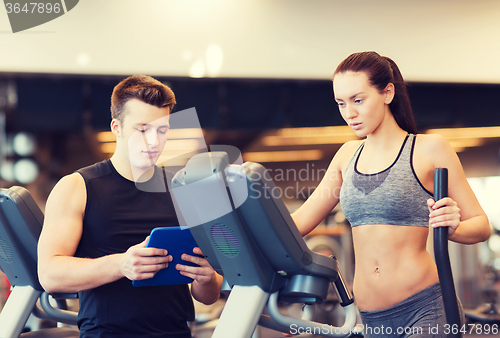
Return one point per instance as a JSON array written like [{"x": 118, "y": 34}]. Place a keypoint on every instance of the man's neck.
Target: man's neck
[{"x": 128, "y": 171}]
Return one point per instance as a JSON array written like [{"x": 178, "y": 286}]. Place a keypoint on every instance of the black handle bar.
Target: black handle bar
[{"x": 443, "y": 259}]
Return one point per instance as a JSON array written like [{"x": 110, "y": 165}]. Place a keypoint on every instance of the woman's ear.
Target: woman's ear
[
  {"x": 389, "y": 93},
  {"x": 115, "y": 127}
]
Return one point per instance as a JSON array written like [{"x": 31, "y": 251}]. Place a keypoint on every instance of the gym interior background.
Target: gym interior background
[{"x": 258, "y": 73}]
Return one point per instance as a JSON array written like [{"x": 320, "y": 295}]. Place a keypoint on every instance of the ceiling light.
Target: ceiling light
[
  {"x": 25, "y": 171},
  {"x": 283, "y": 156},
  {"x": 108, "y": 148},
  {"x": 461, "y": 133},
  {"x": 24, "y": 144},
  {"x": 106, "y": 136}
]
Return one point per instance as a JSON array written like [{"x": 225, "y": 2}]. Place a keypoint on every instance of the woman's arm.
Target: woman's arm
[
  {"x": 461, "y": 211},
  {"x": 327, "y": 194}
]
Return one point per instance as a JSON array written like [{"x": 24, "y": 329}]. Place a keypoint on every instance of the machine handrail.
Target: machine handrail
[
  {"x": 298, "y": 324},
  {"x": 442, "y": 257},
  {"x": 59, "y": 315}
]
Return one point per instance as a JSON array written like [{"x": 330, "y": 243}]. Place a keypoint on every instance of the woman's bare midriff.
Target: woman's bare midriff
[{"x": 392, "y": 264}]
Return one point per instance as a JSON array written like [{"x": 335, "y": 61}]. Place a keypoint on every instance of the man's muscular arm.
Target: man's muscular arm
[{"x": 60, "y": 271}]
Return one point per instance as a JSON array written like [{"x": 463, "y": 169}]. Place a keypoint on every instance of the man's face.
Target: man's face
[{"x": 143, "y": 133}]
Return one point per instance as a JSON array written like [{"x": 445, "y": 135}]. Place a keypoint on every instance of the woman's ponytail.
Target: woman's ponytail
[{"x": 400, "y": 105}]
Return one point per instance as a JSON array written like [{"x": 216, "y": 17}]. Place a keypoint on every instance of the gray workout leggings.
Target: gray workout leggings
[{"x": 421, "y": 315}]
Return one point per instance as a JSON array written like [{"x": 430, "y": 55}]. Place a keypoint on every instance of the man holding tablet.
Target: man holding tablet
[{"x": 97, "y": 221}]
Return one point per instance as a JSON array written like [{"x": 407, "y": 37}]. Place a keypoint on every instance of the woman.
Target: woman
[{"x": 386, "y": 184}]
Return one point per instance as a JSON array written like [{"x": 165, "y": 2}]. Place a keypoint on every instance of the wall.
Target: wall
[{"x": 444, "y": 41}]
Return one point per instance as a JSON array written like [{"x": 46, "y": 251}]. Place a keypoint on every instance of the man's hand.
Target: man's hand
[
  {"x": 207, "y": 283},
  {"x": 140, "y": 262},
  {"x": 203, "y": 273}
]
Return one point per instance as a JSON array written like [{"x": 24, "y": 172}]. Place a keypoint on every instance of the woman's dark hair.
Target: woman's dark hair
[
  {"x": 381, "y": 71},
  {"x": 142, "y": 88}
]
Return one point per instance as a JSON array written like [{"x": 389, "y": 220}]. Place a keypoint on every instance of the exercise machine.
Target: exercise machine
[
  {"x": 20, "y": 226},
  {"x": 249, "y": 237}
]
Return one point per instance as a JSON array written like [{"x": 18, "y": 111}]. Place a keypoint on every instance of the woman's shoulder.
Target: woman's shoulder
[
  {"x": 351, "y": 146},
  {"x": 432, "y": 142},
  {"x": 345, "y": 153},
  {"x": 434, "y": 147},
  {"x": 348, "y": 149}
]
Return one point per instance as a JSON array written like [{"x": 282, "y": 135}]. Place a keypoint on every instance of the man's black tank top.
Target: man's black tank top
[{"x": 117, "y": 216}]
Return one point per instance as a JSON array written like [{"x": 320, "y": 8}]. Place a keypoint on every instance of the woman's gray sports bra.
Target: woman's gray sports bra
[{"x": 392, "y": 196}]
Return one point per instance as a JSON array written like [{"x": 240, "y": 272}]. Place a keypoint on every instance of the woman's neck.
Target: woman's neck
[{"x": 386, "y": 135}]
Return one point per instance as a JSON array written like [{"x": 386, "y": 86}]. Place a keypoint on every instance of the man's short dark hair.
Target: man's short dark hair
[{"x": 143, "y": 88}]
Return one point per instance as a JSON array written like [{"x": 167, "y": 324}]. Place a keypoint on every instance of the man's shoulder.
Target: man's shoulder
[
  {"x": 95, "y": 170},
  {"x": 69, "y": 186}
]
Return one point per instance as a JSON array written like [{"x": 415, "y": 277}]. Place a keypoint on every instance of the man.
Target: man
[{"x": 97, "y": 219}]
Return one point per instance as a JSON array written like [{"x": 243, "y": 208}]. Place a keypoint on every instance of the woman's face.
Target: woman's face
[{"x": 361, "y": 105}]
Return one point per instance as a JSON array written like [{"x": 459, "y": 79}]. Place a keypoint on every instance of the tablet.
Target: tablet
[{"x": 176, "y": 241}]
